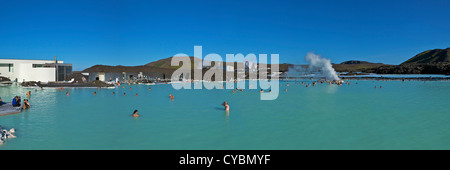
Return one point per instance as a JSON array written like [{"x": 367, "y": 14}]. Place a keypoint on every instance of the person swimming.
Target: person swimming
[
  {"x": 171, "y": 97},
  {"x": 123, "y": 94},
  {"x": 135, "y": 113},
  {"x": 95, "y": 93},
  {"x": 67, "y": 93},
  {"x": 28, "y": 93},
  {"x": 227, "y": 107}
]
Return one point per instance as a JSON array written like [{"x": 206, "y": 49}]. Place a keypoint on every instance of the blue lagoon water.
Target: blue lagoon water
[{"x": 401, "y": 115}]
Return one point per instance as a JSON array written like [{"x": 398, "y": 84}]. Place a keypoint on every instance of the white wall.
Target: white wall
[
  {"x": 23, "y": 70},
  {"x": 26, "y": 72},
  {"x": 4, "y": 71},
  {"x": 101, "y": 76}
]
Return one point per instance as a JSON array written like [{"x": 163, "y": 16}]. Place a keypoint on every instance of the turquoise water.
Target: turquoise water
[{"x": 401, "y": 115}]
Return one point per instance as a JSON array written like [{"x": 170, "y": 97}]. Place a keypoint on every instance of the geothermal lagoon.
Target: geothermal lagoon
[{"x": 400, "y": 115}]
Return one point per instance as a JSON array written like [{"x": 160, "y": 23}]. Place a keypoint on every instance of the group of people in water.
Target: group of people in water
[
  {"x": 17, "y": 102},
  {"x": 135, "y": 112}
]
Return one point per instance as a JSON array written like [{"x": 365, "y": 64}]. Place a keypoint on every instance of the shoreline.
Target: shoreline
[
  {"x": 106, "y": 85},
  {"x": 399, "y": 78}
]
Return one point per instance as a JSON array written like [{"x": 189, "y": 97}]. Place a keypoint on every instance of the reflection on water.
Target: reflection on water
[
  {"x": 227, "y": 115},
  {"x": 331, "y": 89}
]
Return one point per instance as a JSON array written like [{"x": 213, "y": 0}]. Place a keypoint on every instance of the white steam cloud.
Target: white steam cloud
[{"x": 321, "y": 64}]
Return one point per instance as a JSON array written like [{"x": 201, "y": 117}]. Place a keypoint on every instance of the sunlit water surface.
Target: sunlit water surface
[{"x": 401, "y": 115}]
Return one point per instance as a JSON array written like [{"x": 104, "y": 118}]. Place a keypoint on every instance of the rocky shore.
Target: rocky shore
[
  {"x": 399, "y": 78},
  {"x": 95, "y": 83}
]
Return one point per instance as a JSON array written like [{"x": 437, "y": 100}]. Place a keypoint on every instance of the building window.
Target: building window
[
  {"x": 62, "y": 71},
  {"x": 10, "y": 66},
  {"x": 37, "y": 65},
  {"x": 43, "y": 66}
]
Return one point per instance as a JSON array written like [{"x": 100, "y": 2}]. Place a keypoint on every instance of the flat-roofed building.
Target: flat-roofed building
[{"x": 21, "y": 70}]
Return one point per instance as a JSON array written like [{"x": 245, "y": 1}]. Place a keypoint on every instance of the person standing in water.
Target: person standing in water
[
  {"x": 227, "y": 107},
  {"x": 26, "y": 105},
  {"x": 135, "y": 113}
]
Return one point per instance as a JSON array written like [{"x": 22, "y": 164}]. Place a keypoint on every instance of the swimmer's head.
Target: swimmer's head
[{"x": 135, "y": 111}]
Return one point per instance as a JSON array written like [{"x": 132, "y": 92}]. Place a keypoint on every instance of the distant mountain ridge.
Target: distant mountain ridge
[
  {"x": 356, "y": 62},
  {"x": 166, "y": 63},
  {"x": 436, "y": 61},
  {"x": 356, "y": 66},
  {"x": 430, "y": 57}
]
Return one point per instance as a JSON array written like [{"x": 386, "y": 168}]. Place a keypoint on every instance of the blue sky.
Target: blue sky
[{"x": 110, "y": 32}]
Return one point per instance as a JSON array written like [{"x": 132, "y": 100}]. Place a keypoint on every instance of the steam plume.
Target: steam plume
[{"x": 322, "y": 64}]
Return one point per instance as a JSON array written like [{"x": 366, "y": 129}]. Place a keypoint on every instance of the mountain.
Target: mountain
[
  {"x": 356, "y": 66},
  {"x": 166, "y": 63},
  {"x": 435, "y": 61},
  {"x": 356, "y": 62},
  {"x": 430, "y": 57}
]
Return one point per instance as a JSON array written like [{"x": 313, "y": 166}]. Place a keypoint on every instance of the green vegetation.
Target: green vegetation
[{"x": 430, "y": 57}]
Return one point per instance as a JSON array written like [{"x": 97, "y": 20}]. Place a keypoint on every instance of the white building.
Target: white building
[
  {"x": 228, "y": 68},
  {"x": 21, "y": 70}
]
